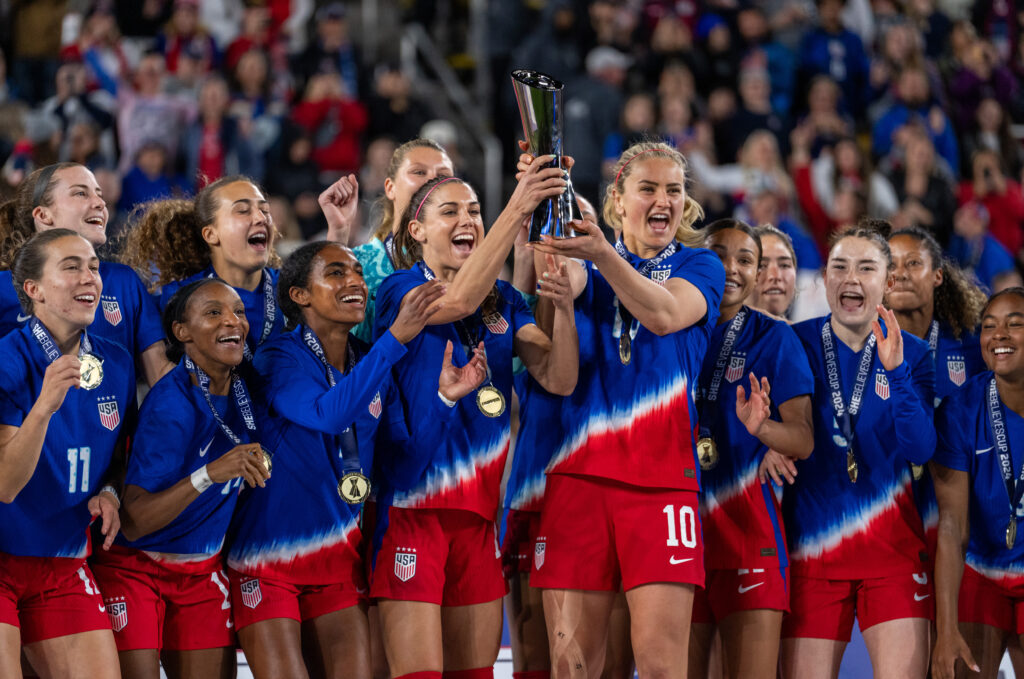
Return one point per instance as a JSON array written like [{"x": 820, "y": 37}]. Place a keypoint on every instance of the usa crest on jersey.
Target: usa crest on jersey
[
  {"x": 538, "y": 553},
  {"x": 117, "y": 610},
  {"x": 375, "y": 406},
  {"x": 735, "y": 370},
  {"x": 111, "y": 309},
  {"x": 882, "y": 386},
  {"x": 496, "y": 323},
  {"x": 110, "y": 417},
  {"x": 405, "y": 563},
  {"x": 957, "y": 369},
  {"x": 660, "y": 276},
  {"x": 251, "y": 594}
]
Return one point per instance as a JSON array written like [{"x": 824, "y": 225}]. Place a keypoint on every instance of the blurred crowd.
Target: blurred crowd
[{"x": 803, "y": 114}]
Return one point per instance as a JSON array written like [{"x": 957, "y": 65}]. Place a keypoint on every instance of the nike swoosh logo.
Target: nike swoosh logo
[
  {"x": 744, "y": 590},
  {"x": 983, "y": 450},
  {"x": 921, "y": 597},
  {"x": 22, "y": 319},
  {"x": 205, "y": 449},
  {"x": 675, "y": 562},
  {"x": 103, "y": 608}
]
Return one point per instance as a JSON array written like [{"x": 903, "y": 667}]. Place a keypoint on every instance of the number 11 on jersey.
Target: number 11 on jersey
[{"x": 74, "y": 455}]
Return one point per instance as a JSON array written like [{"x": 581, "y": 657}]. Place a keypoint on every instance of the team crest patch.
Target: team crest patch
[
  {"x": 538, "y": 553},
  {"x": 882, "y": 386},
  {"x": 735, "y": 369},
  {"x": 405, "y": 564},
  {"x": 496, "y": 323},
  {"x": 957, "y": 371},
  {"x": 110, "y": 417},
  {"x": 111, "y": 309},
  {"x": 117, "y": 610},
  {"x": 251, "y": 594},
  {"x": 661, "y": 276},
  {"x": 375, "y": 406}
]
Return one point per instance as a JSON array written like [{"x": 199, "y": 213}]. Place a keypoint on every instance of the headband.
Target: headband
[
  {"x": 616, "y": 182},
  {"x": 420, "y": 206},
  {"x": 45, "y": 175}
]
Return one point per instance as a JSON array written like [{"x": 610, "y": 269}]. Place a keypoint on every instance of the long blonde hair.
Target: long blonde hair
[{"x": 387, "y": 206}]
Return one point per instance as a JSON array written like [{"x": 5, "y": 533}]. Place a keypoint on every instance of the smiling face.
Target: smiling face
[
  {"x": 1002, "y": 336},
  {"x": 420, "y": 165},
  {"x": 739, "y": 254},
  {"x": 855, "y": 281},
  {"x": 242, "y": 231},
  {"x": 336, "y": 291},
  {"x": 76, "y": 204},
  {"x": 776, "y": 283},
  {"x": 914, "y": 276},
  {"x": 651, "y": 204},
  {"x": 214, "y": 328},
  {"x": 449, "y": 226},
  {"x": 68, "y": 291}
]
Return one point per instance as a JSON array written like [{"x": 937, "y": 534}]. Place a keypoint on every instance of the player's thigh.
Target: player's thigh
[
  {"x": 987, "y": 644},
  {"x": 471, "y": 635},
  {"x": 618, "y": 662},
  {"x": 660, "y": 626},
  {"x": 750, "y": 643},
  {"x": 524, "y": 609},
  {"x": 577, "y": 622},
  {"x": 810, "y": 658},
  {"x": 10, "y": 651},
  {"x": 273, "y": 649},
  {"x": 215, "y": 663},
  {"x": 412, "y": 636},
  {"x": 702, "y": 636},
  {"x": 86, "y": 655},
  {"x": 143, "y": 663},
  {"x": 899, "y": 649},
  {"x": 343, "y": 641}
]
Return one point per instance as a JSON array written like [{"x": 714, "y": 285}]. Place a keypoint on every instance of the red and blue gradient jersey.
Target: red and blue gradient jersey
[
  {"x": 298, "y": 529},
  {"x": 50, "y": 517},
  {"x": 127, "y": 313},
  {"x": 540, "y": 434},
  {"x": 463, "y": 469},
  {"x": 841, "y": 530},
  {"x": 635, "y": 423},
  {"x": 740, "y": 515},
  {"x": 177, "y": 434},
  {"x": 967, "y": 444}
]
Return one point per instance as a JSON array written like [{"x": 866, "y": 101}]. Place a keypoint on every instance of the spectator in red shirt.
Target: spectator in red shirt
[
  {"x": 336, "y": 122},
  {"x": 1002, "y": 198}
]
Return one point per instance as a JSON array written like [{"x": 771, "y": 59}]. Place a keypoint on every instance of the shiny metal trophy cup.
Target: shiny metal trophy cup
[{"x": 540, "y": 100}]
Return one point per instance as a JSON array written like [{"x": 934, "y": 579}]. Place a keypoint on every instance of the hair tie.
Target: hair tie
[
  {"x": 45, "y": 175},
  {"x": 420, "y": 206},
  {"x": 615, "y": 183}
]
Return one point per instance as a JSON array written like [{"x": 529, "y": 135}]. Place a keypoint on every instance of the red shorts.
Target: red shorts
[
  {"x": 598, "y": 535},
  {"x": 152, "y": 605},
  {"x": 448, "y": 557},
  {"x": 824, "y": 609},
  {"x": 728, "y": 591},
  {"x": 49, "y": 597},
  {"x": 517, "y": 549},
  {"x": 988, "y": 601},
  {"x": 257, "y": 599}
]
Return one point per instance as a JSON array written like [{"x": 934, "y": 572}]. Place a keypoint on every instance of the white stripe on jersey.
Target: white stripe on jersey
[
  {"x": 276, "y": 553},
  {"x": 529, "y": 492},
  {"x": 713, "y": 501},
  {"x": 439, "y": 481},
  {"x": 1008, "y": 571}
]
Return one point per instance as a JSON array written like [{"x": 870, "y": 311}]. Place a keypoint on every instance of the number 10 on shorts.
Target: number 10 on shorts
[{"x": 687, "y": 527}]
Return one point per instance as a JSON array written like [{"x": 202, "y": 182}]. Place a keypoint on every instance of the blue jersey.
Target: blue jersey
[
  {"x": 843, "y": 530},
  {"x": 464, "y": 469},
  {"x": 636, "y": 422},
  {"x": 740, "y": 515},
  {"x": 966, "y": 444},
  {"x": 50, "y": 516},
  {"x": 540, "y": 434},
  {"x": 127, "y": 313},
  {"x": 266, "y": 321},
  {"x": 177, "y": 434},
  {"x": 298, "y": 528}
]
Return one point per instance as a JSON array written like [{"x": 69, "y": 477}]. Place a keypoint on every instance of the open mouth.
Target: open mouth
[
  {"x": 658, "y": 222},
  {"x": 88, "y": 299},
  {"x": 773, "y": 291},
  {"x": 732, "y": 285},
  {"x": 355, "y": 300},
  {"x": 259, "y": 240},
  {"x": 1004, "y": 351},
  {"x": 464, "y": 243},
  {"x": 851, "y": 302},
  {"x": 96, "y": 221}
]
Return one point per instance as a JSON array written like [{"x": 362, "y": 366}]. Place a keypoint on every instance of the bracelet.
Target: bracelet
[
  {"x": 201, "y": 479},
  {"x": 113, "y": 491},
  {"x": 444, "y": 399}
]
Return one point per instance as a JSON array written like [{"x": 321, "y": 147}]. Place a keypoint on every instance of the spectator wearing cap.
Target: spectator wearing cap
[
  {"x": 832, "y": 50},
  {"x": 914, "y": 105},
  {"x": 184, "y": 30},
  {"x": 331, "y": 52}
]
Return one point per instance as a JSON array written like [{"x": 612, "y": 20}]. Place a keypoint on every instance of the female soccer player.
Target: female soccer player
[
  {"x": 856, "y": 543},
  {"x": 743, "y": 440},
  {"x": 977, "y": 480},
  {"x": 163, "y": 581},
  {"x": 776, "y": 281},
  {"x": 620, "y": 506},
  {"x": 437, "y": 574},
  {"x": 67, "y": 196},
  {"x": 294, "y": 566},
  {"x": 63, "y": 399}
]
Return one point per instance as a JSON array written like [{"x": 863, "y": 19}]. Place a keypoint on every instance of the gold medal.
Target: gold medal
[
  {"x": 917, "y": 470},
  {"x": 490, "y": 401},
  {"x": 91, "y": 371},
  {"x": 354, "y": 488},
  {"x": 1011, "y": 532},
  {"x": 707, "y": 453},
  {"x": 851, "y": 465},
  {"x": 625, "y": 348},
  {"x": 266, "y": 459}
]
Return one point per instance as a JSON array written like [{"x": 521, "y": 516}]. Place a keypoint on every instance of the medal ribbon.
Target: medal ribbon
[
  {"x": 389, "y": 249},
  {"x": 1014, "y": 492},
  {"x": 933, "y": 338},
  {"x": 49, "y": 345},
  {"x": 707, "y": 404},
  {"x": 846, "y": 416},
  {"x": 346, "y": 442},
  {"x": 469, "y": 336},
  {"x": 242, "y": 400},
  {"x": 269, "y": 313},
  {"x": 626, "y": 319}
]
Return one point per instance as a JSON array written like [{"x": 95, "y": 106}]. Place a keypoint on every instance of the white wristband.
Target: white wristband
[
  {"x": 445, "y": 400},
  {"x": 201, "y": 479},
  {"x": 113, "y": 491}
]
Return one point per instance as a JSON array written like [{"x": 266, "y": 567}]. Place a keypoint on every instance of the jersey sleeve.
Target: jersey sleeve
[
  {"x": 15, "y": 401},
  {"x": 521, "y": 312},
  {"x": 162, "y": 436},
  {"x": 389, "y": 297},
  {"x": 703, "y": 269},
  {"x": 792, "y": 375},
  {"x": 913, "y": 396},
  {"x": 952, "y": 450},
  {"x": 148, "y": 330}
]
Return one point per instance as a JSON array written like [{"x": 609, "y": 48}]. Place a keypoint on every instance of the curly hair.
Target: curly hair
[
  {"x": 167, "y": 235},
  {"x": 692, "y": 211},
  {"x": 295, "y": 274},
  {"x": 958, "y": 302},
  {"x": 387, "y": 206},
  {"x": 16, "y": 222},
  {"x": 175, "y": 311}
]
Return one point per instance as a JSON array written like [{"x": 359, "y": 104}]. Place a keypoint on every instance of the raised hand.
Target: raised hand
[
  {"x": 340, "y": 205},
  {"x": 776, "y": 466},
  {"x": 588, "y": 243},
  {"x": 418, "y": 305},
  {"x": 754, "y": 411},
  {"x": 890, "y": 347},
  {"x": 61, "y": 375},
  {"x": 454, "y": 383},
  {"x": 526, "y": 158},
  {"x": 244, "y": 460},
  {"x": 556, "y": 285},
  {"x": 537, "y": 183},
  {"x": 106, "y": 506}
]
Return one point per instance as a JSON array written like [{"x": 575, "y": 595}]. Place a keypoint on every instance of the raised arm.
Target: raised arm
[{"x": 553, "y": 360}]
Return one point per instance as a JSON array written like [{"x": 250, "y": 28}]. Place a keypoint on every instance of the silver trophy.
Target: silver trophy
[{"x": 540, "y": 100}]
